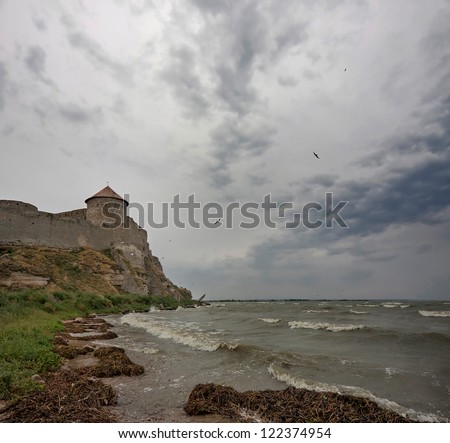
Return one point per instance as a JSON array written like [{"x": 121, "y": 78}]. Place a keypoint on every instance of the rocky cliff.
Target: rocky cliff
[{"x": 123, "y": 268}]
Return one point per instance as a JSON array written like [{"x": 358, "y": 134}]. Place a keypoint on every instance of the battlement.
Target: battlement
[
  {"x": 17, "y": 206},
  {"x": 23, "y": 224},
  {"x": 137, "y": 271}
]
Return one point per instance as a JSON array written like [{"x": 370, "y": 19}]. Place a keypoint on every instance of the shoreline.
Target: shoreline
[
  {"x": 94, "y": 366},
  {"x": 106, "y": 371}
]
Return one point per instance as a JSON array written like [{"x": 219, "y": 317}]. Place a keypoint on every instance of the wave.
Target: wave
[
  {"x": 435, "y": 313},
  {"x": 326, "y": 326},
  {"x": 184, "y": 334},
  {"x": 142, "y": 349},
  {"x": 358, "y": 312},
  {"x": 314, "y": 311},
  {"x": 395, "y": 305},
  {"x": 366, "y": 305},
  {"x": 270, "y": 320},
  {"x": 310, "y": 385},
  {"x": 392, "y": 371}
]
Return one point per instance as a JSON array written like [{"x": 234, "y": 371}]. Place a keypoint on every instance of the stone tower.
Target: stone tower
[{"x": 103, "y": 203}]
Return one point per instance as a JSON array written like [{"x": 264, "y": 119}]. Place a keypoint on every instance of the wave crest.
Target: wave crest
[
  {"x": 435, "y": 313},
  {"x": 310, "y": 385},
  {"x": 179, "y": 333},
  {"x": 326, "y": 326},
  {"x": 270, "y": 320}
]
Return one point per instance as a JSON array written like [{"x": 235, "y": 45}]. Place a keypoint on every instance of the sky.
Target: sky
[{"x": 227, "y": 101}]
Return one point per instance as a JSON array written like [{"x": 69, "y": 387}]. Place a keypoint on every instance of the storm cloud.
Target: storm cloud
[{"x": 228, "y": 101}]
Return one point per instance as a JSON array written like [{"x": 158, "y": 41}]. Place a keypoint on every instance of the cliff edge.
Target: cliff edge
[
  {"x": 98, "y": 248},
  {"x": 83, "y": 269}
]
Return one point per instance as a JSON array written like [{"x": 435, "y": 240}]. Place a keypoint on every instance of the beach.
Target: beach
[{"x": 228, "y": 361}]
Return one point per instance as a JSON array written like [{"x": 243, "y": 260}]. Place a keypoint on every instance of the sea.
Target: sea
[{"x": 396, "y": 353}]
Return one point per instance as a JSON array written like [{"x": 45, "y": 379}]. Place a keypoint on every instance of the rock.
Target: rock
[
  {"x": 37, "y": 378},
  {"x": 20, "y": 280}
]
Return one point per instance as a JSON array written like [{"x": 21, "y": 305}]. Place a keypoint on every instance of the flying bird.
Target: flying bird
[
  {"x": 217, "y": 221},
  {"x": 345, "y": 69},
  {"x": 316, "y": 155}
]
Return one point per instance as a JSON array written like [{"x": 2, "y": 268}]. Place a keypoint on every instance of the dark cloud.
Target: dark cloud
[
  {"x": 407, "y": 194},
  {"x": 39, "y": 23},
  {"x": 399, "y": 196},
  {"x": 423, "y": 248},
  {"x": 35, "y": 60},
  {"x": 98, "y": 56},
  {"x": 431, "y": 134},
  {"x": 235, "y": 90},
  {"x": 180, "y": 74},
  {"x": 212, "y": 6},
  {"x": 290, "y": 37},
  {"x": 220, "y": 177},
  {"x": 76, "y": 114},
  {"x": 240, "y": 137},
  {"x": 413, "y": 195},
  {"x": 324, "y": 180},
  {"x": 248, "y": 39}
]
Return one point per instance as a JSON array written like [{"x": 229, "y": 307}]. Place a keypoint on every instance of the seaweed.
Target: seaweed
[
  {"x": 291, "y": 405},
  {"x": 67, "y": 397}
]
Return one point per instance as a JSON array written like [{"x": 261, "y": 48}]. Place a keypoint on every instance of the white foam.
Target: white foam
[
  {"x": 365, "y": 305},
  {"x": 394, "y": 304},
  {"x": 392, "y": 371},
  {"x": 189, "y": 335},
  {"x": 314, "y": 311},
  {"x": 435, "y": 313},
  {"x": 326, "y": 326},
  {"x": 144, "y": 350},
  {"x": 358, "y": 312},
  {"x": 270, "y": 320},
  {"x": 310, "y": 385}
]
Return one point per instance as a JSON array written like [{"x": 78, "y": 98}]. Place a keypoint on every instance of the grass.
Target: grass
[{"x": 30, "y": 318}]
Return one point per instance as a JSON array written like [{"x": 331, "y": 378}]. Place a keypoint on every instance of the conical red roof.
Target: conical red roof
[{"x": 107, "y": 192}]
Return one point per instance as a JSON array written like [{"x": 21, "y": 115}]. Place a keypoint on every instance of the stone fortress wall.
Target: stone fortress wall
[{"x": 23, "y": 224}]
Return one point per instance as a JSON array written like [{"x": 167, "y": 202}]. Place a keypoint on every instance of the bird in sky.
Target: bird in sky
[
  {"x": 316, "y": 155},
  {"x": 345, "y": 69},
  {"x": 217, "y": 221}
]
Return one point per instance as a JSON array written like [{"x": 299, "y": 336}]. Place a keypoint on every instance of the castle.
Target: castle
[{"x": 23, "y": 224}]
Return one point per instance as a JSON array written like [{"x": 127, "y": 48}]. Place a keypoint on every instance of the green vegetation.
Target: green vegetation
[{"x": 29, "y": 319}]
